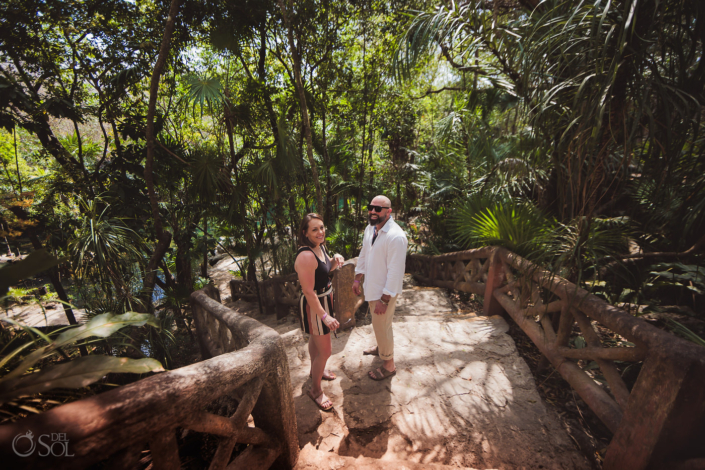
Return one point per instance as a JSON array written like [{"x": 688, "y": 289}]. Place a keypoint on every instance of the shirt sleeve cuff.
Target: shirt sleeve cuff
[
  {"x": 359, "y": 272},
  {"x": 389, "y": 293}
]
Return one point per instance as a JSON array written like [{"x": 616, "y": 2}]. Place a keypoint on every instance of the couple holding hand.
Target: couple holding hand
[{"x": 381, "y": 261}]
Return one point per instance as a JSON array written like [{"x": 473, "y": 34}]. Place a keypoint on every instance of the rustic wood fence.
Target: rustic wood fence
[
  {"x": 659, "y": 423},
  {"x": 244, "y": 361}
]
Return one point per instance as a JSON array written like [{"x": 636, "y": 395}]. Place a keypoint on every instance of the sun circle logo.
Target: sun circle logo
[{"x": 30, "y": 437}]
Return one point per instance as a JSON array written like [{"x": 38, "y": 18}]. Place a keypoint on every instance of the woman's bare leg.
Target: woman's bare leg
[
  {"x": 312, "y": 352},
  {"x": 319, "y": 347},
  {"x": 322, "y": 346}
]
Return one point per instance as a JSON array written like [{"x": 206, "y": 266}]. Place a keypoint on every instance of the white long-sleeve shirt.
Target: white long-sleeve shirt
[{"x": 384, "y": 262}]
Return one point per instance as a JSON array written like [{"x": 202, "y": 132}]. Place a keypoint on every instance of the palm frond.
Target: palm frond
[
  {"x": 204, "y": 91},
  {"x": 102, "y": 246},
  {"x": 516, "y": 225},
  {"x": 207, "y": 172}
]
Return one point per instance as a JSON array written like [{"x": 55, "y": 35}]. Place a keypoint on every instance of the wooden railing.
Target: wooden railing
[
  {"x": 244, "y": 362},
  {"x": 276, "y": 295},
  {"x": 659, "y": 422}
]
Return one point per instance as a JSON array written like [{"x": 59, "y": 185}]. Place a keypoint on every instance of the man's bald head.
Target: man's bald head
[{"x": 381, "y": 201}]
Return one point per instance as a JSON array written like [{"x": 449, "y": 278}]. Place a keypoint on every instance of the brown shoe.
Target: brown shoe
[
  {"x": 381, "y": 373},
  {"x": 371, "y": 352}
]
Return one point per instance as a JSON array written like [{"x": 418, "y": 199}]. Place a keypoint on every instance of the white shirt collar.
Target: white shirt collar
[{"x": 387, "y": 225}]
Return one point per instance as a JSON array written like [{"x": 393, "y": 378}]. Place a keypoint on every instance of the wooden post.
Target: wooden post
[
  {"x": 165, "y": 451},
  {"x": 201, "y": 330},
  {"x": 234, "y": 292},
  {"x": 274, "y": 412},
  {"x": 495, "y": 278},
  {"x": 344, "y": 300},
  {"x": 663, "y": 421}
]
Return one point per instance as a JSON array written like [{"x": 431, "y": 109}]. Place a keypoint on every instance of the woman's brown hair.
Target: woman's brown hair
[{"x": 303, "y": 228}]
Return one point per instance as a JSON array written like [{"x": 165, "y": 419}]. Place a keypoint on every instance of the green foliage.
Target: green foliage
[
  {"x": 518, "y": 226},
  {"x": 283, "y": 257},
  {"x": 103, "y": 246},
  {"x": 685, "y": 332},
  {"x": 470, "y": 29},
  {"x": 160, "y": 339},
  {"x": 18, "y": 293},
  {"x": 673, "y": 283},
  {"x": 99, "y": 299},
  {"x": 343, "y": 239},
  {"x": 690, "y": 277},
  {"x": 207, "y": 176},
  {"x": 78, "y": 373},
  {"x": 583, "y": 245},
  {"x": 200, "y": 283}
]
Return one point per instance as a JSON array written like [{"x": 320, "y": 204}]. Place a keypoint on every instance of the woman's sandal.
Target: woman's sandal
[
  {"x": 331, "y": 375},
  {"x": 381, "y": 373},
  {"x": 320, "y": 403}
]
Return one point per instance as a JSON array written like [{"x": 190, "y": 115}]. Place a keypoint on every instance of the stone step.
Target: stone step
[{"x": 312, "y": 459}]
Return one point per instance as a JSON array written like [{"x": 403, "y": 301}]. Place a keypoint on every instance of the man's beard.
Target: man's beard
[{"x": 374, "y": 221}]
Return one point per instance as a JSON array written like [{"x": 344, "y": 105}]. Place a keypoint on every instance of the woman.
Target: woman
[{"x": 313, "y": 265}]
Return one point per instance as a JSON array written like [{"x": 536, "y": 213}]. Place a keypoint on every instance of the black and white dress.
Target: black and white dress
[{"x": 323, "y": 289}]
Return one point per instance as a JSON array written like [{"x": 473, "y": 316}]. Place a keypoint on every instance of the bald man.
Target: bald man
[{"x": 382, "y": 261}]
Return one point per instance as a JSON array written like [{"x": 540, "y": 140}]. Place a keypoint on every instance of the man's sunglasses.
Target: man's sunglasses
[{"x": 370, "y": 207}]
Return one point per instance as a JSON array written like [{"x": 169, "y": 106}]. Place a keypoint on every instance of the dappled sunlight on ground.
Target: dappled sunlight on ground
[{"x": 461, "y": 396}]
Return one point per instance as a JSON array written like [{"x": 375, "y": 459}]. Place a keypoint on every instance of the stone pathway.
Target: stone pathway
[
  {"x": 462, "y": 396},
  {"x": 33, "y": 315}
]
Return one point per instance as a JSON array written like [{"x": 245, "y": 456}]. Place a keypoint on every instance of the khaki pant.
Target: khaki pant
[{"x": 382, "y": 325}]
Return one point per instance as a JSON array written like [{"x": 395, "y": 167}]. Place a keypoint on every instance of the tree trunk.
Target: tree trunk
[
  {"x": 326, "y": 159},
  {"x": 261, "y": 73},
  {"x": 229, "y": 130},
  {"x": 364, "y": 125},
  {"x": 204, "y": 268},
  {"x": 302, "y": 103},
  {"x": 163, "y": 238}
]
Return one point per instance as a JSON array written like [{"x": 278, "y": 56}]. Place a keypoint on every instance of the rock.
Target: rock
[{"x": 308, "y": 415}]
